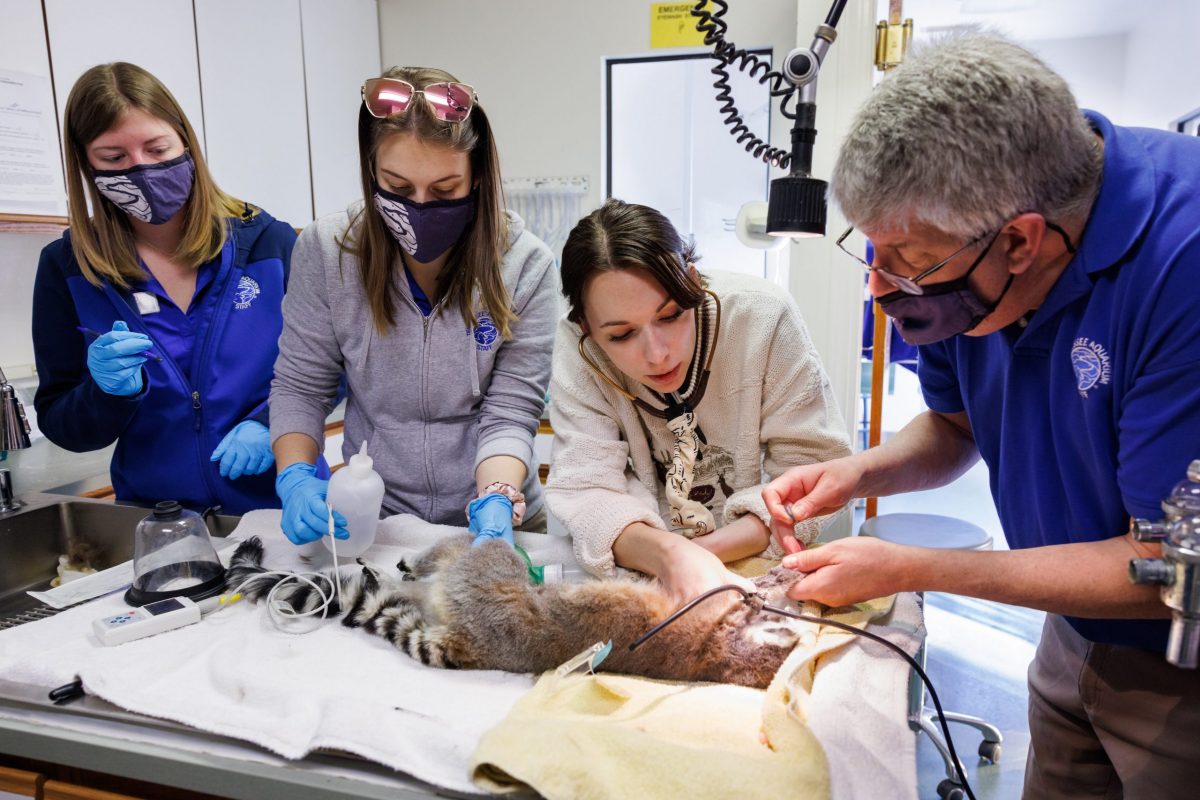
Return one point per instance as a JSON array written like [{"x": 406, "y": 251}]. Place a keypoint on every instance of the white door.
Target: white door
[
  {"x": 252, "y": 73},
  {"x": 669, "y": 148}
]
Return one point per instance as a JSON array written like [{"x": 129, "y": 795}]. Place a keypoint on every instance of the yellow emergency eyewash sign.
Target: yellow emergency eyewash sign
[{"x": 672, "y": 25}]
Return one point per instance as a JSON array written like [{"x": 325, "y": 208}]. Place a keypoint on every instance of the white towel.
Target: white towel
[
  {"x": 234, "y": 674},
  {"x": 858, "y": 710}
]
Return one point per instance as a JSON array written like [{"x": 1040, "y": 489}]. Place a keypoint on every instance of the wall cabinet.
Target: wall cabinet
[
  {"x": 158, "y": 35},
  {"x": 341, "y": 50},
  {"x": 20, "y": 783},
  {"x": 270, "y": 86},
  {"x": 252, "y": 70},
  {"x": 30, "y": 171}
]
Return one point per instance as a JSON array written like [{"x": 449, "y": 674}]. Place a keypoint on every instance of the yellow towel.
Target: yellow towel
[
  {"x": 616, "y": 736},
  {"x": 752, "y": 566},
  {"x": 588, "y": 737}
]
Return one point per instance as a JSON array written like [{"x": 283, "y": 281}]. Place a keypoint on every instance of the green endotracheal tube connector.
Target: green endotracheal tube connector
[
  {"x": 548, "y": 573},
  {"x": 536, "y": 574}
]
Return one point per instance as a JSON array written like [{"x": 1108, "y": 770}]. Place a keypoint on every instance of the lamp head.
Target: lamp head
[{"x": 797, "y": 207}]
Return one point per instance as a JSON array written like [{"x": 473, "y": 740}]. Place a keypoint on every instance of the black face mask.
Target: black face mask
[
  {"x": 943, "y": 309},
  {"x": 950, "y": 308}
]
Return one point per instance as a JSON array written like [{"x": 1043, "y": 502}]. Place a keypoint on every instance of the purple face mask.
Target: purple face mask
[
  {"x": 150, "y": 192},
  {"x": 424, "y": 230},
  {"x": 942, "y": 310},
  {"x": 939, "y": 313}
]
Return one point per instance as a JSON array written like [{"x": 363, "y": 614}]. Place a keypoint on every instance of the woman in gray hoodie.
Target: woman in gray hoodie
[{"x": 437, "y": 306}]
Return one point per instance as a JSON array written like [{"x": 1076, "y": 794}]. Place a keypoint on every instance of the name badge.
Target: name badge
[{"x": 146, "y": 302}]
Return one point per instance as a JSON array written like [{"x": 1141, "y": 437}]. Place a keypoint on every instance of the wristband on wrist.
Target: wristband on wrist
[{"x": 512, "y": 493}]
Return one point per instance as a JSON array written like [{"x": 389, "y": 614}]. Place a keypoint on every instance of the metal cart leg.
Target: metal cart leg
[{"x": 924, "y": 720}]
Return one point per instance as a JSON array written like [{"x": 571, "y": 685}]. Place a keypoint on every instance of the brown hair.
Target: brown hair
[
  {"x": 104, "y": 243},
  {"x": 473, "y": 267},
  {"x": 621, "y": 235}
]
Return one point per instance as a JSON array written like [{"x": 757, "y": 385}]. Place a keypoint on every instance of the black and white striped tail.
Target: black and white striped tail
[
  {"x": 255, "y": 581},
  {"x": 396, "y": 617}
]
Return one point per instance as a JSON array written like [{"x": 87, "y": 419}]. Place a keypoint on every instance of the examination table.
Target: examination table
[{"x": 187, "y": 708}]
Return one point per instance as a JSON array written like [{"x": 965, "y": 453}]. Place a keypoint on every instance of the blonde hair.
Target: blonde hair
[
  {"x": 474, "y": 264},
  {"x": 104, "y": 243}
]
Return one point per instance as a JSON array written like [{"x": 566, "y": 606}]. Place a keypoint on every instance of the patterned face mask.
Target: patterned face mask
[
  {"x": 424, "y": 230},
  {"x": 153, "y": 193}
]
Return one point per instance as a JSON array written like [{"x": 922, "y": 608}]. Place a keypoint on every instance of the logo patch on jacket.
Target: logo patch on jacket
[
  {"x": 485, "y": 332},
  {"x": 247, "y": 290},
  {"x": 1091, "y": 363}
]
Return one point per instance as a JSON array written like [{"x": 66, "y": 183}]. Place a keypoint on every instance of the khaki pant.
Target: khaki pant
[{"x": 1109, "y": 722}]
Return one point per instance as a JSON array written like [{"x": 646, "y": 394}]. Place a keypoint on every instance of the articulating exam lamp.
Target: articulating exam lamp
[{"x": 797, "y": 204}]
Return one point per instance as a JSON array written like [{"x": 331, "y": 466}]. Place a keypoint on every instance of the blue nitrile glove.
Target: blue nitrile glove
[
  {"x": 245, "y": 450},
  {"x": 115, "y": 360},
  {"x": 305, "y": 515},
  {"x": 490, "y": 517}
]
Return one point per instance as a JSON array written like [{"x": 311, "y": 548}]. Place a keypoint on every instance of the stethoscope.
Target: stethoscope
[{"x": 674, "y": 405}]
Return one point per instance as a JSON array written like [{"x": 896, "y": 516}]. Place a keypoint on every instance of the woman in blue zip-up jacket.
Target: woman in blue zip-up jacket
[{"x": 155, "y": 321}]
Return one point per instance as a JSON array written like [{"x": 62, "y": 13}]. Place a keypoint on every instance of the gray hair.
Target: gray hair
[{"x": 969, "y": 132}]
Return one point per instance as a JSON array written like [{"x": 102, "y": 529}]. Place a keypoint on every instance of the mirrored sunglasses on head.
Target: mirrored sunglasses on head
[{"x": 387, "y": 97}]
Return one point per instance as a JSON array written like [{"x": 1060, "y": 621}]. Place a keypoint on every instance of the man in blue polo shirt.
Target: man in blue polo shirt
[{"x": 1048, "y": 263}]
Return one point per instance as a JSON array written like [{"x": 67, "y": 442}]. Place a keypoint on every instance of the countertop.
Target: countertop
[
  {"x": 90, "y": 734},
  {"x": 46, "y": 467}
]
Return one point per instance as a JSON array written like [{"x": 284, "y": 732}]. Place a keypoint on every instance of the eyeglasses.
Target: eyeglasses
[
  {"x": 905, "y": 284},
  {"x": 387, "y": 97}
]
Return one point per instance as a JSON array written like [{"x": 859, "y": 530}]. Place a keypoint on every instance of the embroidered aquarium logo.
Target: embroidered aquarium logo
[
  {"x": 1091, "y": 363},
  {"x": 247, "y": 290},
  {"x": 485, "y": 332}
]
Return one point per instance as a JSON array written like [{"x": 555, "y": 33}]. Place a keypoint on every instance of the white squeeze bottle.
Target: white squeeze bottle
[{"x": 356, "y": 492}]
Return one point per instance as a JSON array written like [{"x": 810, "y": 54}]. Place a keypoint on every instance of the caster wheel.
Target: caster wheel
[
  {"x": 949, "y": 790},
  {"x": 989, "y": 751}
]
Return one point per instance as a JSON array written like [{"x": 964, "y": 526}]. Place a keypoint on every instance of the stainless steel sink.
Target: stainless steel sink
[{"x": 47, "y": 526}]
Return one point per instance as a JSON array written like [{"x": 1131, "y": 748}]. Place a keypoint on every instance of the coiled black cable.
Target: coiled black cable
[
  {"x": 757, "y": 603},
  {"x": 711, "y": 24}
]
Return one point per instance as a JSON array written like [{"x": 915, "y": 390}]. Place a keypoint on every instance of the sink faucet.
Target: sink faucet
[
  {"x": 14, "y": 435},
  {"x": 7, "y": 503}
]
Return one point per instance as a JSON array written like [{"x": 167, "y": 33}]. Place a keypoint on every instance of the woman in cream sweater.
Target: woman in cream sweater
[{"x": 675, "y": 396}]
